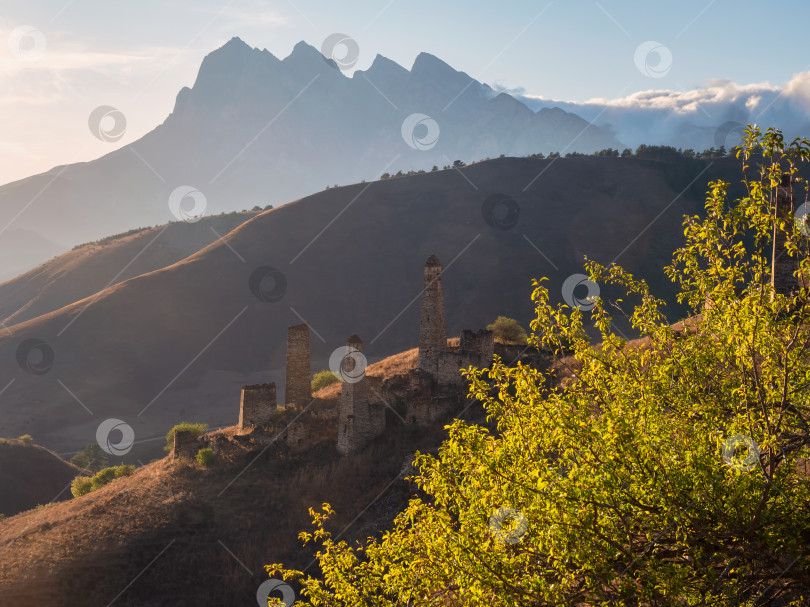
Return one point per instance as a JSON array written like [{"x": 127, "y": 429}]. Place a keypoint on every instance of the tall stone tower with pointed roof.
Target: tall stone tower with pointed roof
[{"x": 432, "y": 328}]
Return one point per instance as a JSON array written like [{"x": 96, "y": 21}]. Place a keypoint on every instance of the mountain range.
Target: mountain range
[{"x": 255, "y": 129}]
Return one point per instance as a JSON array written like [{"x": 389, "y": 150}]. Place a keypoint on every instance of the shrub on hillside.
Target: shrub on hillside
[
  {"x": 322, "y": 379},
  {"x": 508, "y": 330},
  {"x": 195, "y": 429},
  {"x": 82, "y": 485},
  {"x": 26, "y": 439},
  {"x": 205, "y": 457}
]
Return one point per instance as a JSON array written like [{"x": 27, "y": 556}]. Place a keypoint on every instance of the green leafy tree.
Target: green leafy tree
[
  {"x": 26, "y": 439},
  {"x": 92, "y": 458},
  {"x": 659, "y": 474},
  {"x": 508, "y": 330}
]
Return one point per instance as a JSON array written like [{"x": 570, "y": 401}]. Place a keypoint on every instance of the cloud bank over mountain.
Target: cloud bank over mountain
[{"x": 707, "y": 116}]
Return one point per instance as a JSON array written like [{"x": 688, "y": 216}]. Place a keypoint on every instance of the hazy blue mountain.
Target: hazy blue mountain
[{"x": 255, "y": 129}]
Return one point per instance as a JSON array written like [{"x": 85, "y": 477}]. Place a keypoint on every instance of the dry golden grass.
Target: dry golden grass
[{"x": 398, "y": 364}]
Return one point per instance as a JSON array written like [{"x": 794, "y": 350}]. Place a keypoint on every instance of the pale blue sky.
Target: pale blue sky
[{"x": 137, "y": 55}]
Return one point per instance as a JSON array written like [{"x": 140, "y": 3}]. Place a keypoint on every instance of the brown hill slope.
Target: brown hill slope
[
  {"x": 32, "y": 475},
  {"x": 177, "y": 343},
  {"x": 175, "y": 534},
  {"x": 92, "y": 267}
]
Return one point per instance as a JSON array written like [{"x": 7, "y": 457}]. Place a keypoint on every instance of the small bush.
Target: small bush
[
  {"x": 105, "y": 475},
  {"x": 205, "y": 457},
  {"x": 195, "y": 429},
  {"x": 26, "y": 440},
  {"x": 322, "y": 379},
  {"x": 80, "y": 486},
  {"x": 508, "y": 330},
  {"x": 85, "y": 484}
]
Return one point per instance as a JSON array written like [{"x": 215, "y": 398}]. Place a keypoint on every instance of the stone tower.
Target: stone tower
[
  {"x": 358, "y": 419},
  {"x": 298, "y": 387},
  {"x": 783, "y": 268},
  {"x": 258, "y": 405},
  {"x": 432, "y": 329}
]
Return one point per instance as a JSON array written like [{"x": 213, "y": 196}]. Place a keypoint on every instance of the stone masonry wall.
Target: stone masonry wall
[
  {"x": 298, "y": 387},
  {"x": 186, "y": 445},
  {"x": 258, "y": 405},
  {"x": 432, "y": 328}
]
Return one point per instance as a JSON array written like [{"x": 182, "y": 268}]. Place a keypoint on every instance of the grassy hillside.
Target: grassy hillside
[
  {"x": 91, "y": 267},
  {"x": 176, "y": 343},
  {"x": 176, "y": 522},
  {"x": 31, "y": 475}
]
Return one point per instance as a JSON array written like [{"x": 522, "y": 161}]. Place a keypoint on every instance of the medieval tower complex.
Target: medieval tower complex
[{"x": 419, "y": 395}]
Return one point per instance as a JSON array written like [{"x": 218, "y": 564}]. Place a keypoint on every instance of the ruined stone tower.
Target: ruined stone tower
[
  {"x": 359, "y": 418},
  {"x": 298, "y": 387},
  {"x": 432, "y": 329},
  {"x": 783, "y": 268},
  {"x": 258, "y": 405}
]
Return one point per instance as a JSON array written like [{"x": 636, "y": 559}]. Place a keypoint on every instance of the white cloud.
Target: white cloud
[{"x": 691, "y": 118}]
